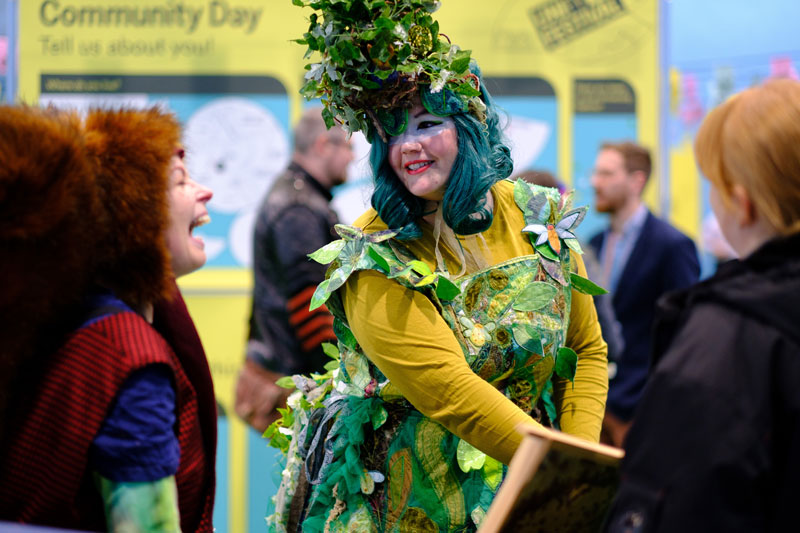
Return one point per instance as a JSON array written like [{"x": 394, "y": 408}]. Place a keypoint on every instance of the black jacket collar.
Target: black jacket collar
[
  {"x": 764, "y": 286},
  {"x": 310, "y": 180}
]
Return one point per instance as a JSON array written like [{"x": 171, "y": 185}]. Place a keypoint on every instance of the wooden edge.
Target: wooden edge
[
  {"x": 523, "y": 466},
  {"x": 563, "y": 441},
  {"x": 536, "y": 443}
]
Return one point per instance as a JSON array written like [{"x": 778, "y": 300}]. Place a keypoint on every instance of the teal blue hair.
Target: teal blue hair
[{"x": 483, "y": 160}]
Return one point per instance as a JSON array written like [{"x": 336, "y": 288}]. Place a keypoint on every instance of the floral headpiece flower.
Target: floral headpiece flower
[{"x": 372, "y": 56}]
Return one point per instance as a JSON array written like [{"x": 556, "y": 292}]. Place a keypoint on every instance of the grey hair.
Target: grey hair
[{"x": 308, "y": 129}]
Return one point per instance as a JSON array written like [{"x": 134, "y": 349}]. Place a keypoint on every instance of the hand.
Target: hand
[
  {"x": 614, "y": 430},
  {"x": 258, "y": 397}
]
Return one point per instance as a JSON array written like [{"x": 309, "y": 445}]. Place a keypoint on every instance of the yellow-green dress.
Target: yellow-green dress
[{"x": 413, "y": 429}]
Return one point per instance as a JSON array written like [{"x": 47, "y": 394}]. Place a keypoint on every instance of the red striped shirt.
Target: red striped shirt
[{"x": 45, "y": 477}]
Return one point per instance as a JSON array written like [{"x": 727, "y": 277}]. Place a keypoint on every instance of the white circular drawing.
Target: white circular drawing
[{"x": 237, "y": 148}]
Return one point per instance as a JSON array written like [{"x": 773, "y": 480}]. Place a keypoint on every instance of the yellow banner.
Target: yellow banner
[{"x": 569, "y": 74}]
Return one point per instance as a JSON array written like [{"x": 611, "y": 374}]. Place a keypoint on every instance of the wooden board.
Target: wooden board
[{"x": 555, "y": 483}]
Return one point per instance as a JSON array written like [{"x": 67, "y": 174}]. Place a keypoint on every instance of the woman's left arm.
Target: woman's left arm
[
  {"x": 582, "y": 404},
  {"x": 140, "y": 506}
]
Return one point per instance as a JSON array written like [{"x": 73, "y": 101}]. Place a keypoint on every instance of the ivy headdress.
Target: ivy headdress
[{"x": 373, "y": 56}]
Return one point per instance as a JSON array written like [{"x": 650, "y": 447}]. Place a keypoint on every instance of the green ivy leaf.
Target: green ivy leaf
[
  {"x": 420, "y": 268},
  {"x": 378, "y": 417},
  {"x": 522, "y": 194},
  {"x": 535, "y": 296},
  {"x": 545, "y": 250},
  {"x": 344, "y": 334},
  {"x": 460, "y": 62},
  {"x": 279, "y": 440},
  {"x": 330, "y": 366},
  {"x": 566, "y": 363},
  {"x": 348, "y": 232},
  {"x": 574, "y": 245},
  {"x": 446, "y": 290},
  {"x": 469, "y": 457},
  {"x": 369, "y": 84},
  {"x": 586, "y": 286},
  {"x": 287, "y": 416},
  {"x": 426, "y": 280},
  {"x": 328, "y": 253},
  {"x": 378, "y": 258},
  {"x": 492, "y": 472},
  {"x": 327, "y": 116},
  {"x": 383, "y": 73},
  {"x": 384, "y": 23},
  {"x": 286, "y": 382},
  {"x": 528, "y": 337},
  {"x": 321, "y": 295},
  {"x": 467, "y": 90},
  {"x": 330, "y": 350}
]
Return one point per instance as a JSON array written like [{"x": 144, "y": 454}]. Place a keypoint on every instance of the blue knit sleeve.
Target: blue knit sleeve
[{"x": 137, "y": 441}]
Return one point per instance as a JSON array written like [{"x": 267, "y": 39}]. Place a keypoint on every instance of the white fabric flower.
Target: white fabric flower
[{"x": 438, "y": 84}]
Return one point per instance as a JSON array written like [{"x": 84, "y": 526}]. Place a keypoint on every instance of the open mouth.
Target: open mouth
[
  {"x": 202, "y": 220},
  {"x": 415, "y": 167}
]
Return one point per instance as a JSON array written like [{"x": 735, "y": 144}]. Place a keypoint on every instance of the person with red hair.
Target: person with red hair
[
  {"x": 714, "y": 445},
  {"x": 107, "y": 409}
]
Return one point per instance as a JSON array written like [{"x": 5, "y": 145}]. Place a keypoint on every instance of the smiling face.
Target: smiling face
[
  {"x": 422, "y": 157},
  {"x": 187, "y": 207}
]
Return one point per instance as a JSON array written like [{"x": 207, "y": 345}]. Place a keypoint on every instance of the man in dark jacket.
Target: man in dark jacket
[
  {"x": 641, "y": 257},
  {"x": 294, "y": 220}
]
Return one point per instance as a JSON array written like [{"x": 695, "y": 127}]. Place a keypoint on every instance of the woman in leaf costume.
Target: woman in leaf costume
[{"x": 460, "y": 301}]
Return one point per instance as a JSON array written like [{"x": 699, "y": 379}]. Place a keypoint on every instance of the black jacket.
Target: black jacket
[
  {"x": 294, "y": 220},
  {"x": 715, "y": 445}
]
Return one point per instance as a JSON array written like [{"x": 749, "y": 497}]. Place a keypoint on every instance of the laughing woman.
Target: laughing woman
[
  {"x": 455, "y": 310},
  {"x": 110, "y": 422}
]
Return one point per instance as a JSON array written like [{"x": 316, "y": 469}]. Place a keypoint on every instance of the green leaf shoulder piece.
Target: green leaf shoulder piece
[
  {"x": 550, "y": 223},
  {"x": 357, "y": 250},
  {"x": 328, "y": 253}
]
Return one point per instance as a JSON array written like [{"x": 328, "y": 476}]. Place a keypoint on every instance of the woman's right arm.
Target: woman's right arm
[{"x": 404, "y": 335}]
